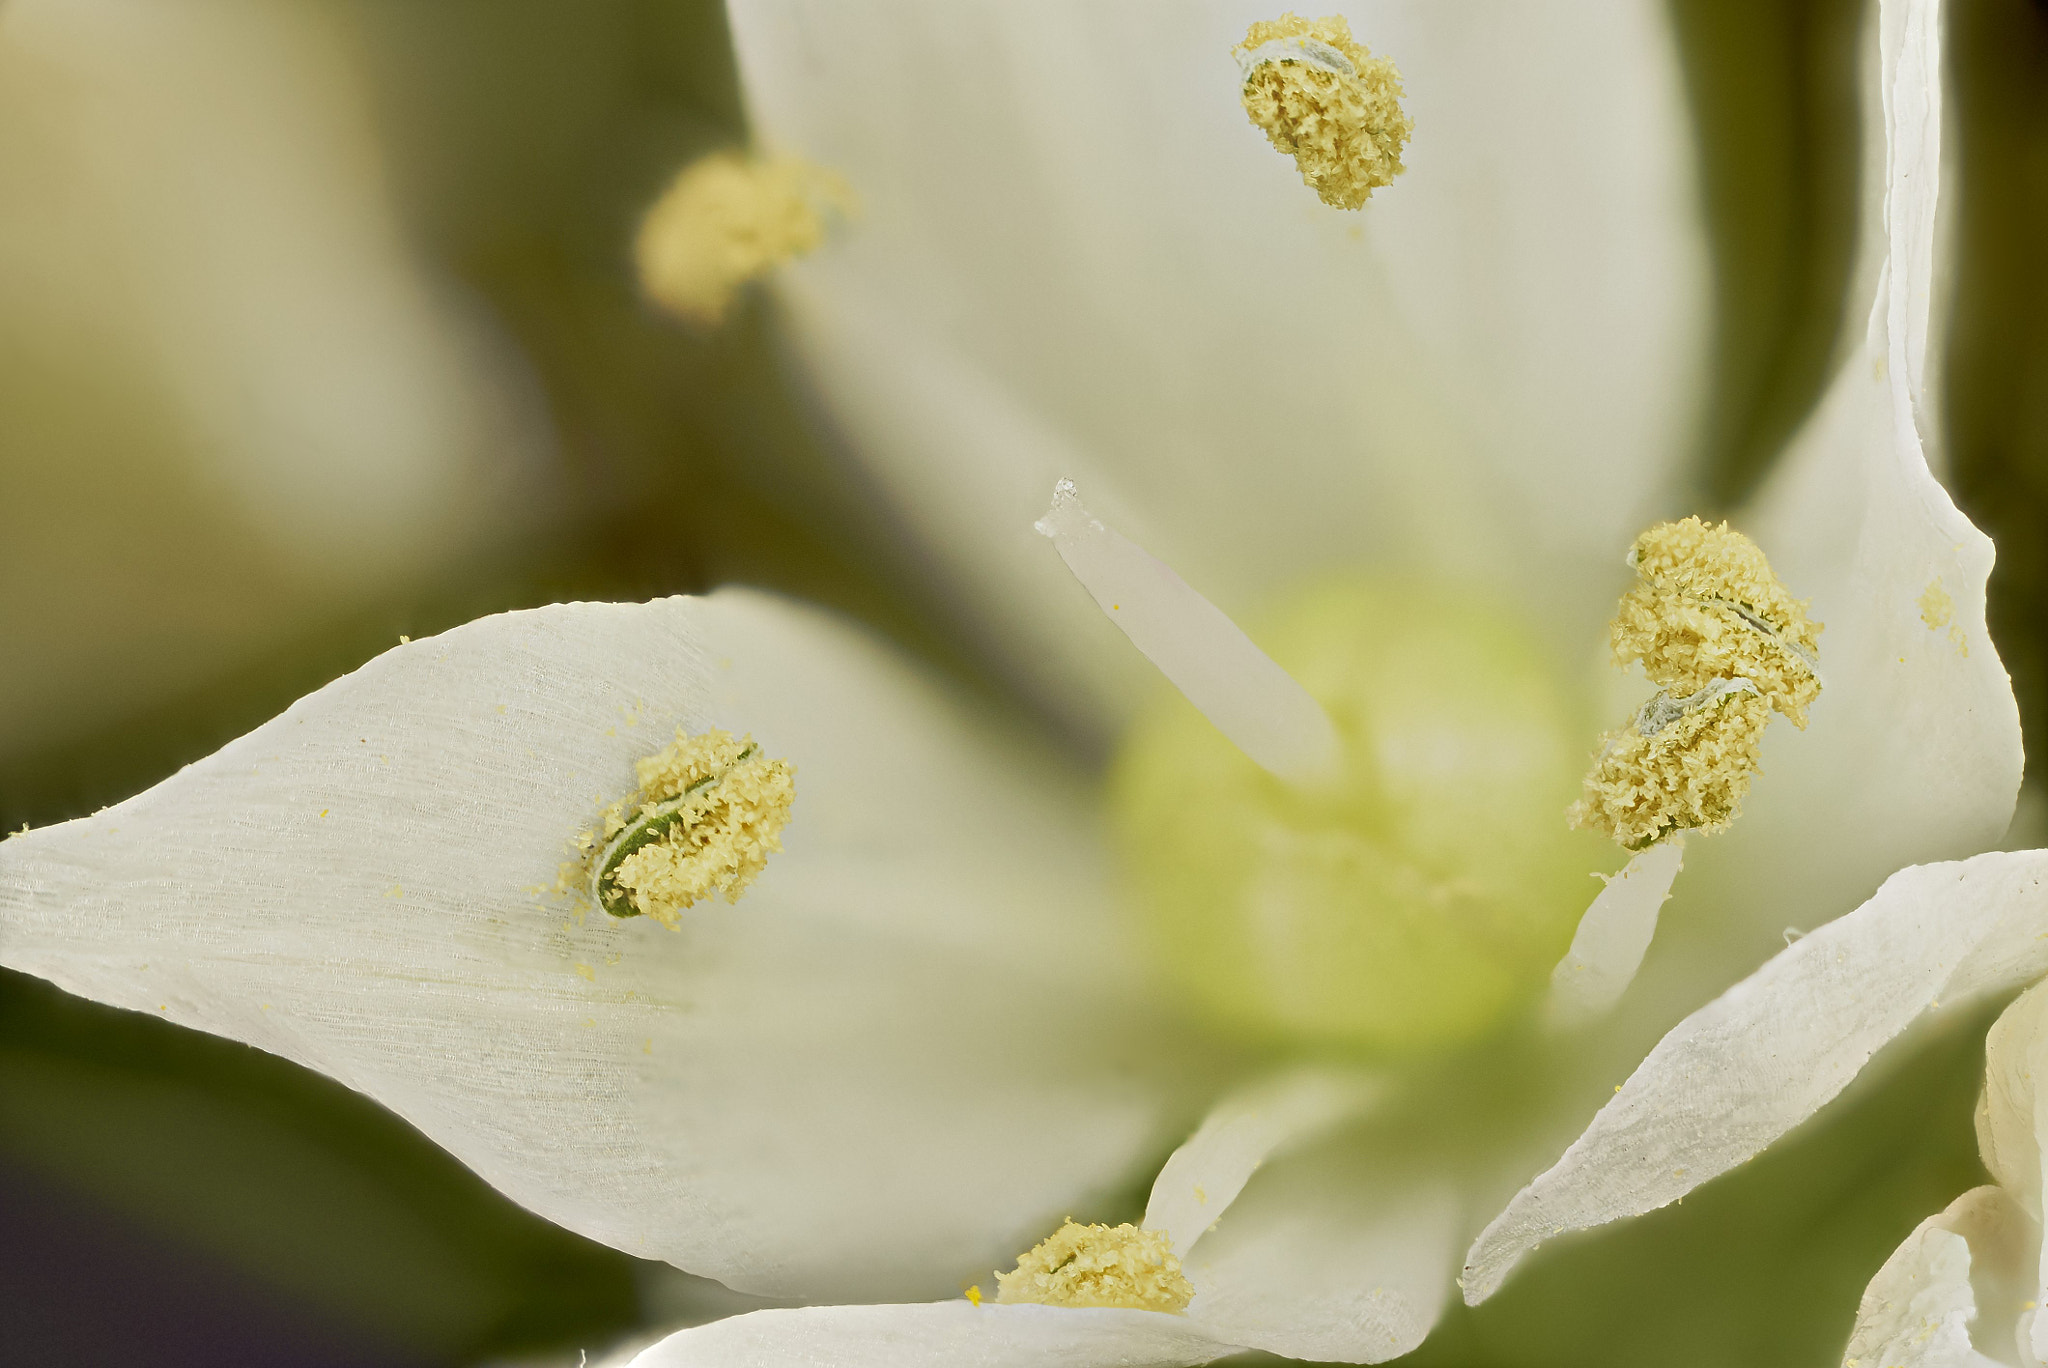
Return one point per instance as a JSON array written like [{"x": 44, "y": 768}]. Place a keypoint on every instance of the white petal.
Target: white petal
[
  {"x": 1613, "y": 935},
  {"x": 940, "y": 1335},
  {"x": 899, "y": 1059},
  {"x": 2004, "y": 1267},
  {"x": 1914, "y": 749},
  {"x": 1330, "y": 1255},
  {"x": 2010, "y": 1119},
  {"x": 1492, "y": 370},
  {"x": 2007, "y": 1131},
  {"x": 1740, "y": 1072},
  {"x": 1917, "y": 1311},
  {"x": 1204, "y": 1176}
]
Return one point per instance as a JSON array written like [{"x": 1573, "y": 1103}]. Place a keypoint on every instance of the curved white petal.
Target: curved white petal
[
  {"x": 2010, "y": 1119},
  {"x": 1078, "y": 258},
  {"x": 1203, "y": 1177},
  {"x": 899, "y": 1058},
  {"x": 1918, "y": 1310},
  {"x": 1914, "y": 749},
  {"x": 2008, "y": 1133},
  {"x": 1740, "y": 1072},
  {"x": 940, "y": 1335},
  {"x": 1329, "y": 1255}
]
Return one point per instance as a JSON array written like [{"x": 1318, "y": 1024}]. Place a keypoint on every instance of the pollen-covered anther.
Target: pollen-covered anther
[
  {"x": 708, "y": 813},
  {"x": 1681, "y": 764},
  {"x": 1326, "y": 101},
  {"x": 1727, "y": 644},
  {"x": 1707, "y": 606},
  {"x": 729, "y": 219},
  {"x": 1099, "y": 1265}
]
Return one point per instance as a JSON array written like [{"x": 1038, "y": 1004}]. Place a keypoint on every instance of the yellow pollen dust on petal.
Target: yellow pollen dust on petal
[
  {"x": 1711, "y": 624},
  {"x": 708, "y": 813},
  {"x": 728, "y": 219},
  {"x": 1099, "y": 1265},
  {"x": 1325, "y": 100}
]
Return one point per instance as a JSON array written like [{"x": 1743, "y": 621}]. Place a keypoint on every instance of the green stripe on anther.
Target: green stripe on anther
[{"x": 655, "y": 822}]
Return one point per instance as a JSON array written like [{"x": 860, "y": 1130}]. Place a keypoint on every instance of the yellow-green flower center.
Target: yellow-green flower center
[{"x": 1419, "y": 895}]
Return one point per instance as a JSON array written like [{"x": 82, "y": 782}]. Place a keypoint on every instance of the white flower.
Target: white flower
[{"x": 922, "y": 1036}]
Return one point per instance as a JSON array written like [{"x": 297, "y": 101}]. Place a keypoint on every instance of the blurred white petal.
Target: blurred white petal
[
  {"x": 1329, "y": 1256},
  {"x": 237, "y": 394},
  {"x": 1493, "y": 370},
  {"x": 906, "y": 1051},
  {"x": 1740, "y": 1072},
  {"x": 940, "y": 1335},
  {"x": 223, "y": 205}
]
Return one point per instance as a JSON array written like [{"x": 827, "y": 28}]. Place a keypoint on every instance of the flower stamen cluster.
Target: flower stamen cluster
[{"x": 1713, "y": 627}]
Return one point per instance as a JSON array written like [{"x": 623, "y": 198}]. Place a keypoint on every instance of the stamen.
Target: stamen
[
  {"x": 709, "y": 812},
  {"x": 1690, "y": 774},
  {"x": 1707, "y": 606},
  {"x": 1233, "y": 683},
  {"x": 1204, "y": 1176},
  {"x": 1099, "y": 1265},
  {"x": 1728, "y": 644},
  {"x": 730, "y": 219},
  {"x": 1326, "y": 101},
  {"x": 1613, "y": 936}
]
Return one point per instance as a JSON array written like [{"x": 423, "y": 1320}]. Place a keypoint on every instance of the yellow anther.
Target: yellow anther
[
  {"x": 1727, "y": 645},
  {"x": 1326, "y": 101},
  {"x": 1707, "y": 606},
  {"x": 709, "y": 811},
  {"x": 728, "y": 219},
  {"x": 1099, "y": 1265},
  {"x": 1690, "y": 774}
]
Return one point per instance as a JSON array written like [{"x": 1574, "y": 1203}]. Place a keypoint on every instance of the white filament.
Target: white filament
[
  {"x": 1234, "y": 684},
  {"x": 1205, "y": 1175},
  {"x": 1613, "y": 936}
]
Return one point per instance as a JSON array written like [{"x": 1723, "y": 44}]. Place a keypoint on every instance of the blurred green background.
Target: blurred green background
[{"x": 181, "y": 1198}]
